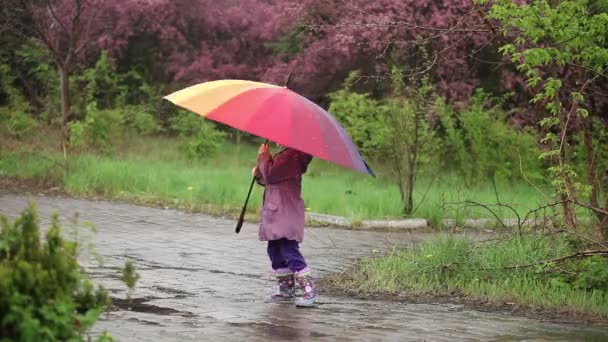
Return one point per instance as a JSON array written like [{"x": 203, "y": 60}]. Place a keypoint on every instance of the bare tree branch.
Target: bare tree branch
[
  {"x": 577, "y": 255},
  {"x": 597, "y": 74},
  {"x": 521, "y": 170},
  {"x": 555, "y": 260},
  {"x": 54, "y": 16},
  {"x": 590, "y": 207},
  {"x": 485, "y": 206}
]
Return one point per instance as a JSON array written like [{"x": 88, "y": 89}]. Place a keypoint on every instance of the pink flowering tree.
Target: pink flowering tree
[
  {"x": 331, "y": 39},
  {"x": 68, "y": 29}
]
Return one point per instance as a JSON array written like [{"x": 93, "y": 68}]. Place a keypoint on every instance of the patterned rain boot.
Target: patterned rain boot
[
  {"x": 306, "y": 282},
  {"x": 286, "y": 291}
]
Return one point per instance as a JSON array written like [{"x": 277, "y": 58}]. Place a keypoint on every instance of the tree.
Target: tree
[
  {"x": 191, "y": 41},
  {"x": 395, "y": 129},
  {"x": 562, "y": 50},
  {"x": 329, "y": 39},
  {"x": 411, "y": 138},
  {"x": 68, "y": 29}
]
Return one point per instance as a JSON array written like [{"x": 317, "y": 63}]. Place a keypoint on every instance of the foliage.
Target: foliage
[
  {"x": 415, "y": 128},
  {"x": 43, "y": 294},
  {"x": 599, "y": 139},
  {"x": 102, "y": 84},
  {"x": 561, "y": 49},
  {"x": 139, "y": 119},
  {"x": 362, "y": 116},
  {"x": 396, "y": 128},
  {"x": 102, "y": 129},
  {"x": 18, "y": 123},
  {"x": 99, "y": 130},
  {"x": 411, "y": 142},
  {"x": 109, "y": 102},
  {"x": 29, "y": 81},
  {"x": 129, "y": 277},
  {"x": 14, "y": 115},
  {"x": 289, "y": 45},
  {"x": 200, "y": 138},
  {"x": 372, "y": 36},
  {"x": 479, "y": 143}
]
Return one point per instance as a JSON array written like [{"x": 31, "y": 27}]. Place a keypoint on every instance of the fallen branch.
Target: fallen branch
[
  {"x": 542, "y": 262},
  {"x": 560, "y": 259},
  {"x": 485, "y": 206}
]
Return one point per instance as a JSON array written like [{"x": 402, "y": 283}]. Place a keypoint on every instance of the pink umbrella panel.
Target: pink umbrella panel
[{"x": 275, "y": 113}]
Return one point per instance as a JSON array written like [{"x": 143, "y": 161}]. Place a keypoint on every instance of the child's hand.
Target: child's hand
[
  {"x": 263, "y": 149},
  {"x": 254, "y": 170}
]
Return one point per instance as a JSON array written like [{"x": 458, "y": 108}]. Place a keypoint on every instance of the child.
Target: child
[{"x": 282, "y": 221}]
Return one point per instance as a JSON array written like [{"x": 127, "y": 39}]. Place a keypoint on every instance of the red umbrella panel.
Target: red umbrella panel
[{"x": 275, "y": 113}]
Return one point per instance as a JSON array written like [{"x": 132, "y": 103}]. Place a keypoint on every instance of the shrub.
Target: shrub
[
  {"x": 139, "y": 119},
  {"x": 479, "y": 143},
  {"x": 99, "y": 130},
  {"x": 17, "y": 122},
  {"x": 200, "y": 137},
  {"x": 363, "y": 117},
  {"x": 43, "y": 294},
  {"x": 14, "y": 114}
]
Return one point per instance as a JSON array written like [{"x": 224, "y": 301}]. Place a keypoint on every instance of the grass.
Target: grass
[
  {"x": 153, "y": 169},
  {"x": 450, "y": 264}
]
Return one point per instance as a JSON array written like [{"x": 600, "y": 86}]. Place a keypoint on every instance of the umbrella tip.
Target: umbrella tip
[
  {"x": 288, "y": 79},
  {"x": 369, "y": 170}
]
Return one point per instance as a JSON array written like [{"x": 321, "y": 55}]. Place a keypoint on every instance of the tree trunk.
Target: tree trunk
[
  {"x": 409, "y": 200},
  {"x": 64, "y": 78},
  {"x": 412, "y": 158},
  {"x": 565, "y": 196},
  {"x": 592, "y": 178},
  {"x": 603, "y": 226},
  {"x": 401, "y": 179},
  {"x": 568, "y": 211},
  {"x": 591, "y": 162}
]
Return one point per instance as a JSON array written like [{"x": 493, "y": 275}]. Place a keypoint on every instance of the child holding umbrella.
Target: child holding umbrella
[{"x": 282, "y": 221}]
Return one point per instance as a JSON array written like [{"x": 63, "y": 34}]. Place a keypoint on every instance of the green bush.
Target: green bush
[
  {"x": 43, "y": 294},
  {"x": 478, "y": 143},
  {"x": 200, "y": 137},
  {"x": 100, "y": 129},
  {"x": 139, "y": 119},
  {"x": 14, "y": 114},
  {"x": 17, "y": 122},
  {"x": 363, "y": 117},
  {"x": 102, "y": 84}
]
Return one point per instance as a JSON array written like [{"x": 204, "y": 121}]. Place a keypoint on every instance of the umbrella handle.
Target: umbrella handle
[
  {"x": 242, "y": 217},
  {"x": 239, "y": 224}
]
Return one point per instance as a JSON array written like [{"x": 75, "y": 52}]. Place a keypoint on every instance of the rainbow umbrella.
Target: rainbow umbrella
[{"x": 275, "y": 113}]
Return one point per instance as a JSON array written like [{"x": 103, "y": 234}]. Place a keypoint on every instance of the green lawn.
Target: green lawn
[{"x": 153, "y": 169}]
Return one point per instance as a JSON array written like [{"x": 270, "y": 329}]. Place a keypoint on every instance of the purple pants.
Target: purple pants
[{"x": 285, "y": 254}]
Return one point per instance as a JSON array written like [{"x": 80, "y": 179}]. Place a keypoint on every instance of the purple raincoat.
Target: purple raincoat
[{"x": 283, "y": 208}]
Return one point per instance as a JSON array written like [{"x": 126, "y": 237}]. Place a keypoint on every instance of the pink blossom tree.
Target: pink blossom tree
[{"x": 68, "y": 28}]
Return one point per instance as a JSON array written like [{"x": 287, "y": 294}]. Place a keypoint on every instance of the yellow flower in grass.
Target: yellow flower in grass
[
  {"x": 190, "y": 188},
  {"x": 429, "y": 256},
  {"x": 308, "y": 209}
]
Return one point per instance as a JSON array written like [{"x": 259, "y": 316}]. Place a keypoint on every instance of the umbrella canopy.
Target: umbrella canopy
[{"x": 275, "y": 113}]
